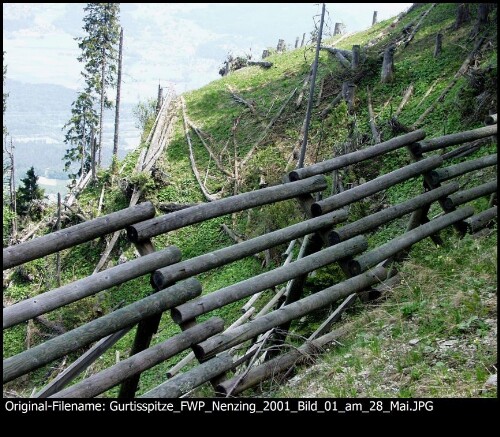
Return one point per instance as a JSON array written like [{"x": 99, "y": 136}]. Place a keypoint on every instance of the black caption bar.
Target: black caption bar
[{"x": 245, "y": 406}]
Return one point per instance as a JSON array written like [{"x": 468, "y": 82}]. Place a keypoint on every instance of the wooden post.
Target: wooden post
[
  {"x": 296, "y": 42},
  {"x": 387, "y": 75},
  {"x": 303, "y": 39},
  {"x": 374, "y": 19},
  {"x": 265, "y": 53},
  {"x": 439, "y": 44},
  {"x": 281, "y": 46},
  {"x": 58, "y": 227},
  {"x": 356, "y": 53}
]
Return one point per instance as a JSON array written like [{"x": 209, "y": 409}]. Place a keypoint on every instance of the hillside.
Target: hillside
[{"x": 434, "y": 333}]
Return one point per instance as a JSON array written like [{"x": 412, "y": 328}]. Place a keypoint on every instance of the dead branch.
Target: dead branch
[
  {"x": 239, "y": 99},
  {"x": 204, "y": 190},
  {"x": 458, "y": 74},
  {"x": 217, "y": 161},
  {"x": 415, "y": 29},
  {"x": 373, "y": 126},
  {"x": 406, "y": 97},
  {"x": 266, "y": 130},
  {"x": 332, "y": 105},
  {"x": 304, "y": 87},
  {"x": 340, "y": 56}
]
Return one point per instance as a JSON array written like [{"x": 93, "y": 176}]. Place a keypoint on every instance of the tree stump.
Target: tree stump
[
  {"x": 387, "y": 75},
  {"x": 356, "y": 50},
  {"x": 439, "y": 44}
]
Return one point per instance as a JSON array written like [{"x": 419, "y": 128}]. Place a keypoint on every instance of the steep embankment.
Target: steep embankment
[{"x": 434, "y": 334}]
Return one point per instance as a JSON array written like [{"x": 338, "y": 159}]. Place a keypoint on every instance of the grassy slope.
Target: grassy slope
[{"x": 442, "y": 306}]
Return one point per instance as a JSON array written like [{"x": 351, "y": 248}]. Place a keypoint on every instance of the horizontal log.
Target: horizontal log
[
  {"x": 104, "y": 380},
  {"x": 42, "y": 303},
  {"x": 453, "y": 139},
  {"x": 408, "y": 239},
  {"x": 221, "y": 342},
  {"x": 242, "y": 289},
  {"x": 263, "y": 64},
  {"x": 59, "y": 240},
  {"x": 481, "y": 220},
  {"x": 185, "y": 269},
  {"x": 473, "y": 193},
  {"x": 73, "y": 340},
  {"x": 358, "y": 156},
  {"x": 453, "y": 171},
  {"x": 378, "y": 184},
  {"x": 277, "y": 365},
  {"x": 240, "y": 202},
  {"x": 491, "y": 119},
  {"x": 373, "y": 221},
  {"x": 183, "y": 383}
]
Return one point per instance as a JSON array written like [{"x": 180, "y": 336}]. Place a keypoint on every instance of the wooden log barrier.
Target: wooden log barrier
[
  {"x": 165, "y": 276},
  {"x": 452, "y": 139},
  {"x": 29, "y": 308},
  {"x": 59, "y": 240},
  {"x": 277, "y": 365},
  {"x": 453, "y": 171},
  {"x": 240, "y": 202},
  {"x": 481, "y": 220},
  {"x": 473, "y": 193},
  {"x": 378, "y": 184},
  {"x": 183, "y": 383},
  {"x": 221, "y": 342},
  {"x": 57, "y": 347},
  {"x": 391, "y": 248},
  {"x": 242, "y": 289},
  {"x": 379, "y": 218},
  {"x": 104, "y": 380},
  {"x": 357, "y": 156}
]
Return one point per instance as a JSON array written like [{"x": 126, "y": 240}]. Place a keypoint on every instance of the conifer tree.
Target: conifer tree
[{"x": 99, "y": 53}]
